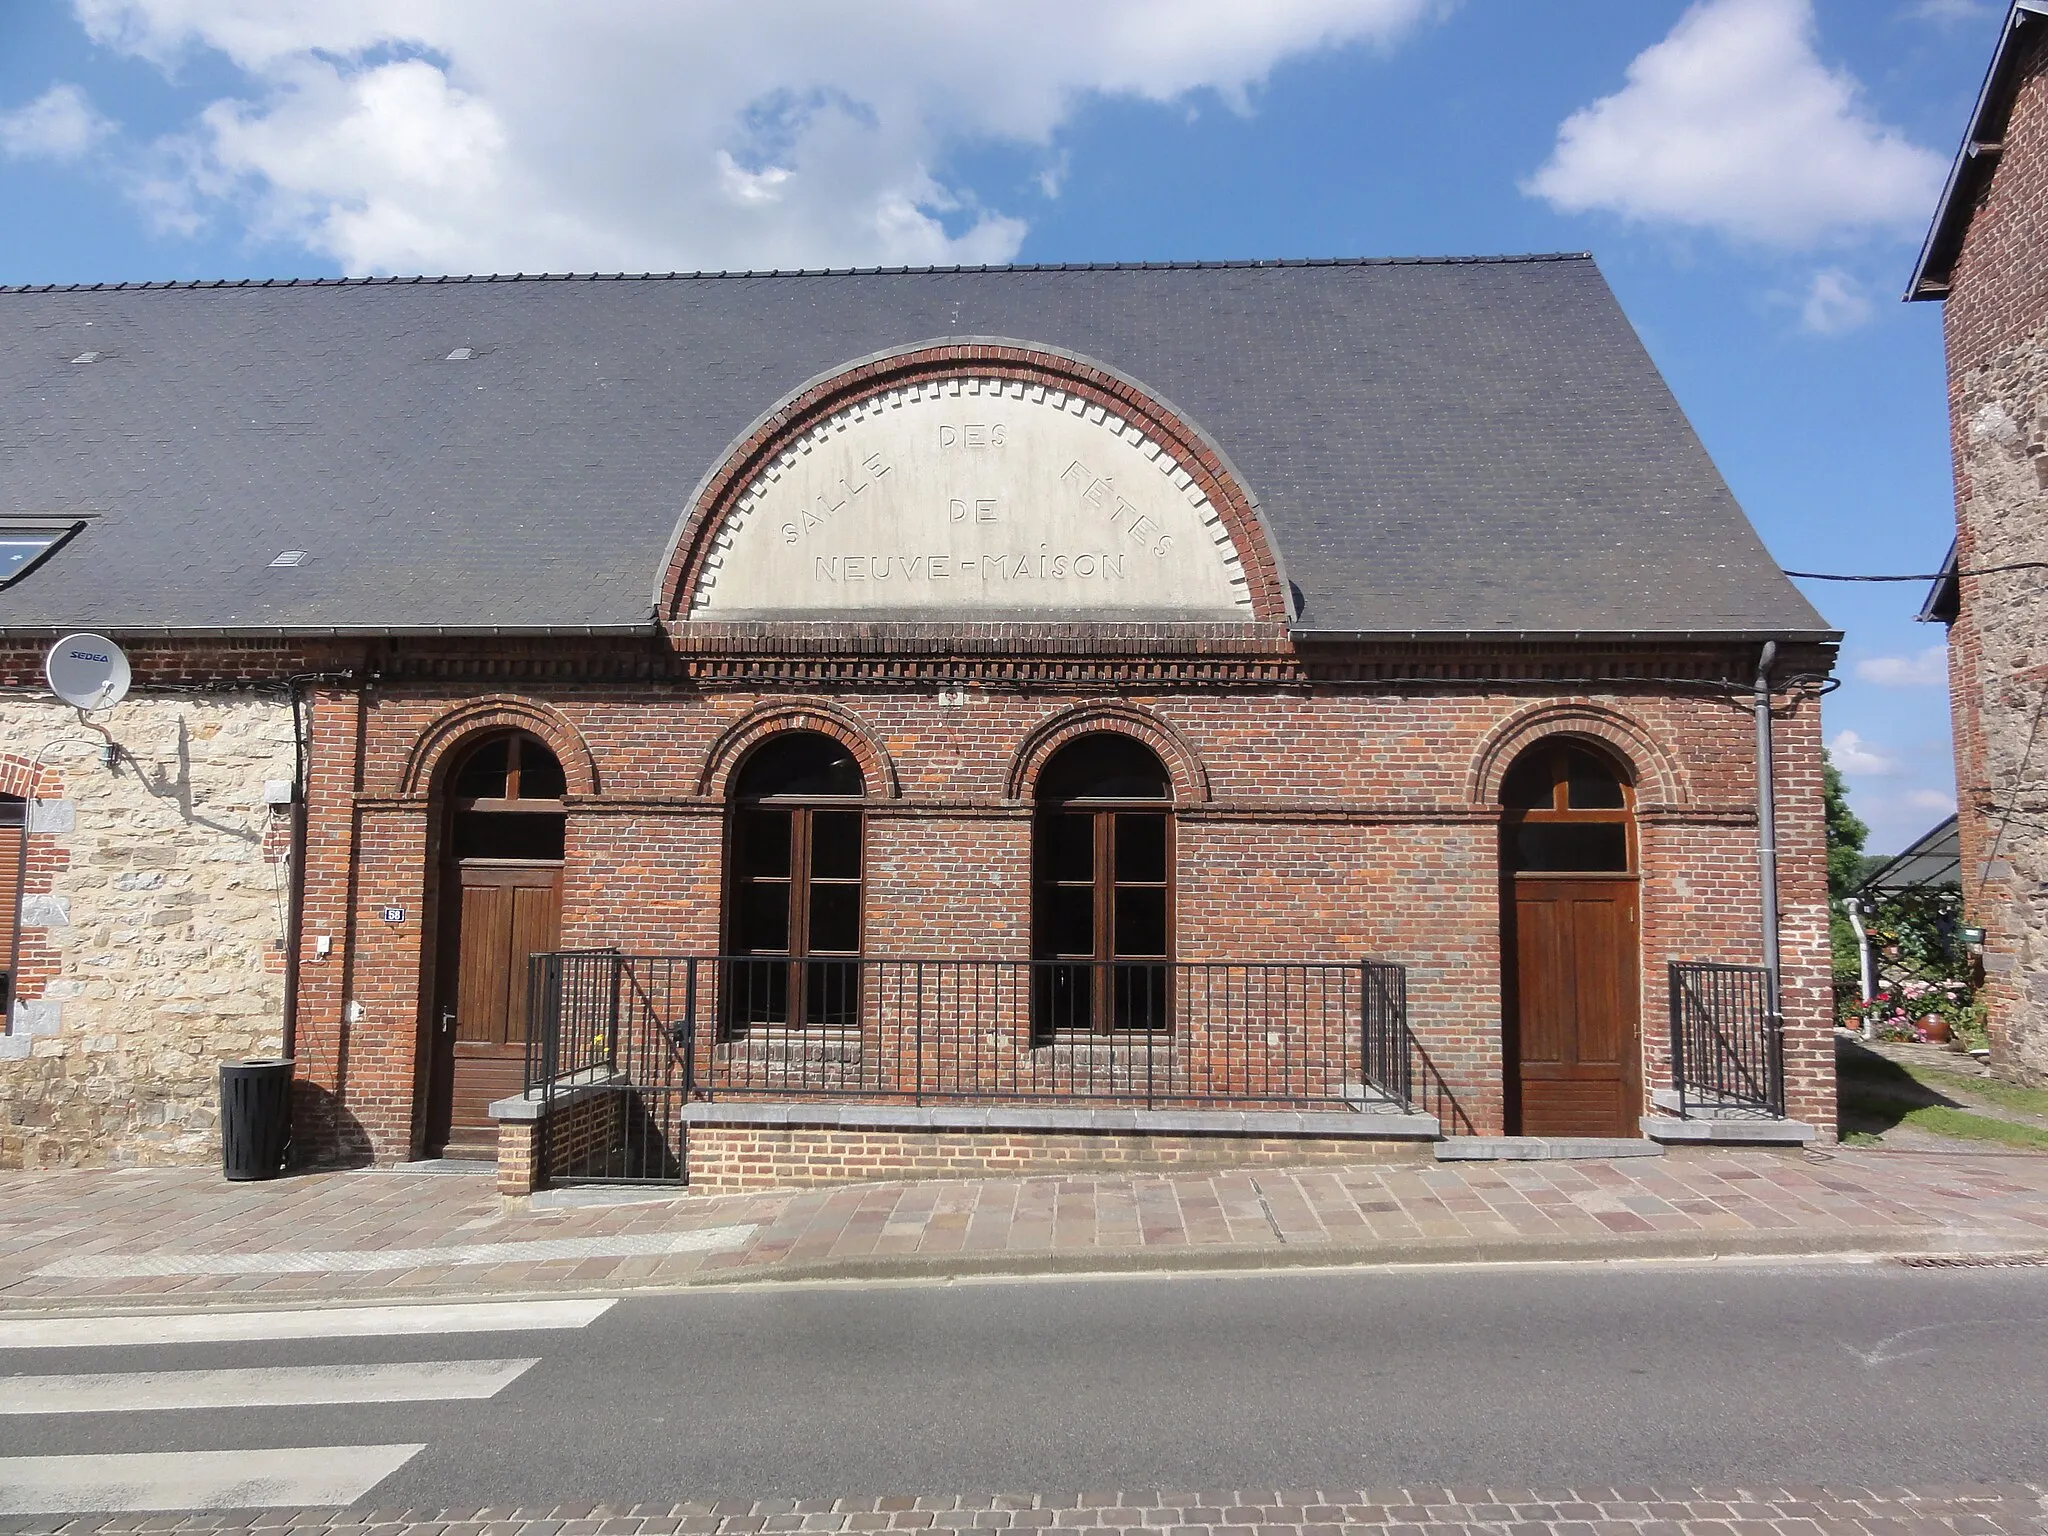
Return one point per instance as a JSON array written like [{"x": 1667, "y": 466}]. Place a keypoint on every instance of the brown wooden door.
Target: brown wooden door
[
  {"x": 506, "y": 910},
  {"x": 1573, "y": 1008}
]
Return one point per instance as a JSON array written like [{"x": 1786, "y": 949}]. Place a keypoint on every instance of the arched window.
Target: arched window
[
  {"x": 793, "y": 892},
  {"x": 1102, "y": 876},
  {"x": 1567, "y": 812},
  {"x": 505, "y": 794}
]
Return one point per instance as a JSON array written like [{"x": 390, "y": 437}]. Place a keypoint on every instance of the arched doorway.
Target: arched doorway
[
  {"x": 795, "y": 868},
  {"x": 1102, "y": 888},
  {"x": 501, "y": 902},
  {"x": 1572, "y": 1044}
]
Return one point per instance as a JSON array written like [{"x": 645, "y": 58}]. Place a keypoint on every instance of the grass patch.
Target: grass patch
[
  {"x": 2026, "y": 1101},
  {"x": 1940, "y": 1120}
]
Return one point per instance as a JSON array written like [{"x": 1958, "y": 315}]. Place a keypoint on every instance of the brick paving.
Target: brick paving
[
  {"x": 1992, "y": 1510},
  {"x": 78, "y": 1236}
]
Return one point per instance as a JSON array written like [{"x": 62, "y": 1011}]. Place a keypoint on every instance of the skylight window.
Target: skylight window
[
  {"x": 23, "y": 549},
  {"x": 86, "y": 357},
  {"x": 462, "y": 354},
  {"x": 289, "y": 557}
]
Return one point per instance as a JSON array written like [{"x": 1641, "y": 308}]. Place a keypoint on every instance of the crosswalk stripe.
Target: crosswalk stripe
[
  {"x": 81, "y": 1332},
  {"x": 165, "y": 1480},
  {"x": 623, "y": 1245},
  {"x": 289, "y": 1386}
]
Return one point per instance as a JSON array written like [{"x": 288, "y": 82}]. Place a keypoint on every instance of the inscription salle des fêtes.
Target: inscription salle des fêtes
[{"x": 1125, "y": 528}]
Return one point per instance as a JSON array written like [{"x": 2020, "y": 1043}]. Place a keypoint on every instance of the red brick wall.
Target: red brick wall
[
  {"x": 1996, "y": 322},
  {"x": 1321, "y": 821},
  {"x": 727, "y": 1158}
]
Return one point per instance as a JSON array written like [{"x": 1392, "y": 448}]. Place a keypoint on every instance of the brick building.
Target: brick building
[
  {"x": 958, "y": 718},
  {"x": 1986, "y": 259}
]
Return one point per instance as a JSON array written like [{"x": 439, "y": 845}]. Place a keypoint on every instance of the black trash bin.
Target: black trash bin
[{"x": 255, "y": 1117}]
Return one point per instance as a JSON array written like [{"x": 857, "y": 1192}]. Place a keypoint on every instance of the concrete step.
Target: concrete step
[
  {"x": 1537, "y": 1149},
  {"x": 1728, "y": 1131}
]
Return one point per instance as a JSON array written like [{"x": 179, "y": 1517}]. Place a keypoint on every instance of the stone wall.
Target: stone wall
[
  {"x": 1997, "y": 330},
  {"x": 152, "y": 926}
]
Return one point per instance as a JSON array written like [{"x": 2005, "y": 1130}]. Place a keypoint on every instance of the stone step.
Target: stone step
[{"x": 1537, "y": 1149}]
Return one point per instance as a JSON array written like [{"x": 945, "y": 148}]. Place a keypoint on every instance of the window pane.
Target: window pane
[
  {"x": 508, "y": 835},
  {"x": 757, "y": 992},
  {"x": 762, "y": 845},
  {"x": 1528, "y": 784},
  {"x": 540, "y": 773},
  {"x": 835, "y": 919},
  {"x": 483, "y": 773},
  {"x": 1140, "y": 846},
  {"x": 1066, "y": 920},
  {"x": 1562, "y": 847},
  {"x": 1592, "y": 785},
  {"x": 1066, "y": 847},
  {"x": 835, "y": 845},
  {"x": 799, "y": 763},
  {"x": 13, "y": 811},
  {"x": 1140, "y": 920},
  {"x": 1140, "y": 997},
  {"x": 17, "y": 549},
  {"x": 831, "y": 993},
  {"x": 1061, "y": 996},
  {"x": 1104, "y": 767},
  {"x": 762, "y": 921}
]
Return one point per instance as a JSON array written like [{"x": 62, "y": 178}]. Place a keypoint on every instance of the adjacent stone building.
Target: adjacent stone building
[
  {"x": 923, "y": 719},
  {"x": 1986, "y": 259}
]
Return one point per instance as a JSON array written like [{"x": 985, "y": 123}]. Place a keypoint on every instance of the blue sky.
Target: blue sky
[{"x": 1753, "y": 175}]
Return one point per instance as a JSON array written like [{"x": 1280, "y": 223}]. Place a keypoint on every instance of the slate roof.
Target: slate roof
[{"x": 1439, "y": 446}]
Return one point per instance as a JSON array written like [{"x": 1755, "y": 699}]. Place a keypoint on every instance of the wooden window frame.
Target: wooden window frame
[
  {"x": 800, "y": 957},
  {"x": 1556, "y": 751},
  {"x": 1104, "y": 882}
]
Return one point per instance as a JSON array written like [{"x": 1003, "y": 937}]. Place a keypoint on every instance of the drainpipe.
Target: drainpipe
[
  {"x": 1767, "y": 823},
  {"x": 1854, "y": 909}
]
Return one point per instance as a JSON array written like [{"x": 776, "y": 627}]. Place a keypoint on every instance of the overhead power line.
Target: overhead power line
[{"x": 1982, "y": 570}]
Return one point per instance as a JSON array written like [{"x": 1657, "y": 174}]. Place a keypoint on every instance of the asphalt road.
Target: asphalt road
[{"x": 1693, "y": 1375}]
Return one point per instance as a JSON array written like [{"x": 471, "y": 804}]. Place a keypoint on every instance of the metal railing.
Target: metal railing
[
  {"x": 667, "y": 1029},
  {"x": 1727, "y": 1040}
]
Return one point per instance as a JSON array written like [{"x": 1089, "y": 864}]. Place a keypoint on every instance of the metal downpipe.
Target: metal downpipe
[{"x": 1767, "y": 825}]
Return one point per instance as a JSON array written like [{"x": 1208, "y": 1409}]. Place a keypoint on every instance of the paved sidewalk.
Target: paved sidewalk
[
  {"x": 170, "y": 1237},
  {"x": 2000, "y": 1510}
]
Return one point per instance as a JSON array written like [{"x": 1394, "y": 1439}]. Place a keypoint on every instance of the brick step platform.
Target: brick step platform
[{"x": 1769, "y": 1510}]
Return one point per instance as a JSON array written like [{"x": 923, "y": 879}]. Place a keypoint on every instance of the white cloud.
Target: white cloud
[
  {"x": 61, "y": 124},
  {"x": 527, "y": 135},
  {"x": 1929, "y": 669},
  {"x": 1853, "y": 755},
  {"x": 1835, "y": 304},
  {"x": 1733, "y": 124},
  {"x": 1952, "y": 11},
  {"x": 1931, "y": 800}
]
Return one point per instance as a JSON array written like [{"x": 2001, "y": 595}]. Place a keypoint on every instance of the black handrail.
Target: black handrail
[{"x": 1727, "y": 1039}]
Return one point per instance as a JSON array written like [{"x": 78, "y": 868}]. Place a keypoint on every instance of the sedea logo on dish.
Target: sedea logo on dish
[{"x": 90, "y": 656}]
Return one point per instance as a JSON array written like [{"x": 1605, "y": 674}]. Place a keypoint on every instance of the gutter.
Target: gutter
[
  {"x": 1630, "y": 636},
  {"x": 642, "y": 628}
]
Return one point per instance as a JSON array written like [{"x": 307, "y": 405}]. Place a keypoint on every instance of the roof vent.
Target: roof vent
[
  {"x": 462, "y": 354},
  {"x": 86, "y": 357},
  {"x": 289, "y": 557}
]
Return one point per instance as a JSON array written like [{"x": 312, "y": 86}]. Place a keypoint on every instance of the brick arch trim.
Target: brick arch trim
[
  {"x": 1658, "y": 778},
  {"x": 497, "y": 712},
  {"x": 26, "y": 780},
  {"x": 1004, "y": 359},
  {"x": 1184, "y": 765},
  {"x": 877, "y": 768}
]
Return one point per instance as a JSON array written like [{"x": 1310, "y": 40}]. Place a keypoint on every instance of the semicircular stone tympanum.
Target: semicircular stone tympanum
[{"x": 973, "y": 495}]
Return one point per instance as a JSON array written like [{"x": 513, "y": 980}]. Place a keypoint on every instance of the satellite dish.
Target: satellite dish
[{"x": 88, "y": 671}]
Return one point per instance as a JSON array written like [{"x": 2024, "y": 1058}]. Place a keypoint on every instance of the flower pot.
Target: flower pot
[{"x": 1935, "y": 1028}]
